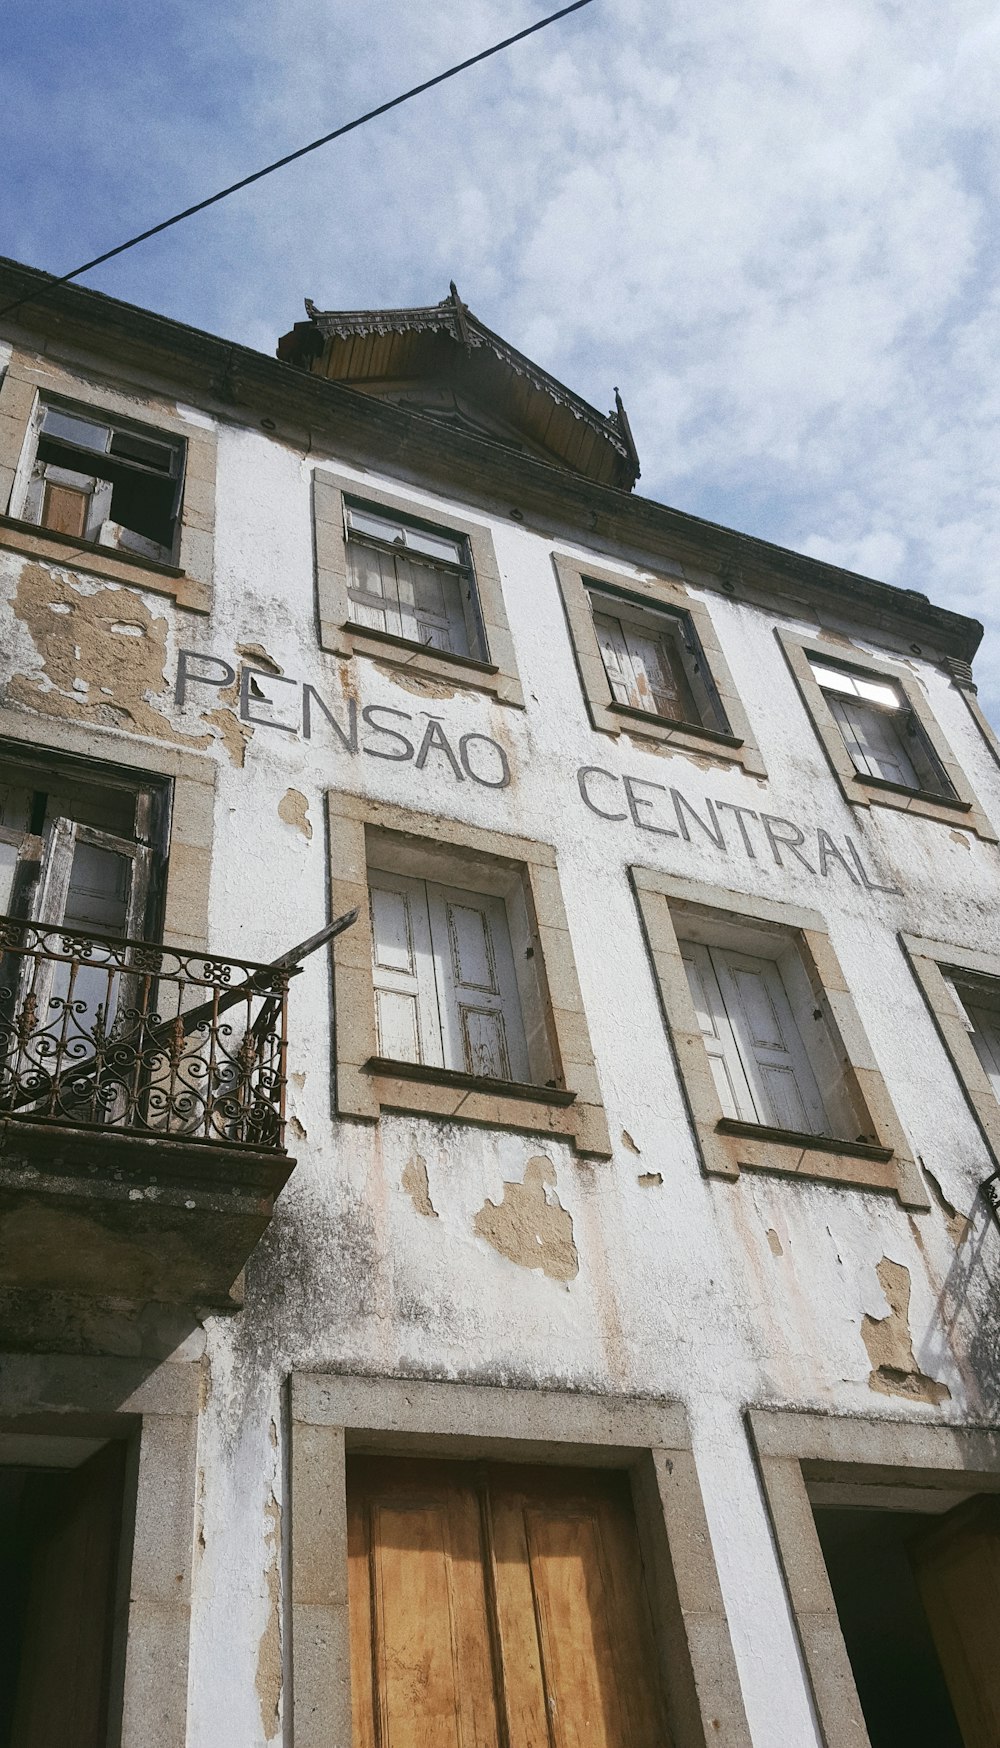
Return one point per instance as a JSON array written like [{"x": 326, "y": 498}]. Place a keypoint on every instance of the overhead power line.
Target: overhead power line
[{"x": 290, "y": 157}]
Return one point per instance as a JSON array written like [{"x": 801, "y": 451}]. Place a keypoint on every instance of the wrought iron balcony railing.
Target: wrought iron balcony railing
[{"x": 101, "y": 1033}]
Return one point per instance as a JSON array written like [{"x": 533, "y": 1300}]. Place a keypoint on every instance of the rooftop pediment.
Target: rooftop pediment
[{"x": 442, "y": 362}]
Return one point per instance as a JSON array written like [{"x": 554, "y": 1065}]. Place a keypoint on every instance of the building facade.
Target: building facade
[{"x": 500, "y": 1023}]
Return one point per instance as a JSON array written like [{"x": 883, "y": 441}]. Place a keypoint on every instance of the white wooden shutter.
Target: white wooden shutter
[
  {"x": 641, "y": 670},
  {"x": 873, "y": 742},
  {"x": 986, "y": 1038},
  {"x": 720, "y": 1041},
  {"x": 770, "y": 1044},
  {"x": 482, "y": 1027},
  {"x": 406, "y": 1004},
  {"x": 373, "y": 596},
  {"x": 430, "y": 605},
  {"x": 616, "y": 659},
  {"x": 17, "y": 845}
]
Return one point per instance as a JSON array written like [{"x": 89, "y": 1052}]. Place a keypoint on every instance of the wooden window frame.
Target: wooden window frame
[
  {"x": 961, "y": 809},
  {"x": 193, "y": 778},
  {"x": 727, "y": 1146},
  {"x": 365, "y": 1084},
  {"x": 932, "y": 962},
  {"x": 796, "y": 1449},
  {"x": 331, "y": 1415},
  {"x": 25, "y": 384},
  {"x": 651, "y": 594},
  {"x": 496, "y": 674},
  {"x": 54, "y": 1396}
]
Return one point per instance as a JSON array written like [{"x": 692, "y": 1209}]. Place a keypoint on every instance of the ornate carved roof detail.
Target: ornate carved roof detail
[{"x": 393, "y": 353}]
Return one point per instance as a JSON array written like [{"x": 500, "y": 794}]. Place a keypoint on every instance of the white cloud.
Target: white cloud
[{"x": 770, "y": 223}]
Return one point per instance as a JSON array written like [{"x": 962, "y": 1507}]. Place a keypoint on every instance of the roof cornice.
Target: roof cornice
[{"x": 246, "y": 387}]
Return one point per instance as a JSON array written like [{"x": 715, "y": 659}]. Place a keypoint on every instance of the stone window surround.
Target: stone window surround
[
  {"x": 725, "y": 1147},
  {"x": 930, "y": 960},
  {"x": 189, "y": 582},
  {"x": 365, "y": 1092},
  {"x": 793, "y": 1448},
  {"x": 611, "y": 718},
  {"x": 333, "y": 1415},
  {"x": 189, "y": 854},
  {"x": 964, "y": 810},
  {"x": 338, "y": 633},
  {"x": 48, "y": 1396}
]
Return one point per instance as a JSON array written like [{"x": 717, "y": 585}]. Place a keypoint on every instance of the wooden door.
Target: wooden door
[
  {"x": 957, "y": 1567},
  {"x": 497, "y": 1606},
  {"x": 72, "y": 1522}
]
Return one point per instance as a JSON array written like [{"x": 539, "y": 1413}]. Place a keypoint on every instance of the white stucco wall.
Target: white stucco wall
[{"x": 680, "y": 1290}]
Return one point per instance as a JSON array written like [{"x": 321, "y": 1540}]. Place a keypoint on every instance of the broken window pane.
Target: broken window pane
[{"x": 106, "y": 483}]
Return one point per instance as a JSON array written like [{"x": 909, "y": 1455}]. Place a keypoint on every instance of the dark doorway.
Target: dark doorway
[
  {"x": 896, "y": 1667},
  {"x": 60, "y": 1531}
]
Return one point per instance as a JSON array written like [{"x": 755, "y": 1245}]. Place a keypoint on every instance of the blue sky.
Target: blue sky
[{"x": 771, "y": 223}]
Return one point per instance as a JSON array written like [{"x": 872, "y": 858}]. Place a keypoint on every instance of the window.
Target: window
[
  {"x": 760, "y": 1062},
  {"x": 655, "y": 664},
  {"x": 456, "y": 993},
  {"x": 418, "y": 594},
  {"x": 880, "y": 735},
  {"x": 650, "y": 663},
  {"x": 412, "y": 582},
  {"x": 881, "y": 731},
  {"x": 776, "y": 1070},
  {"x": 113, "y": 481},
  {"x": 962, "y": 990},
  {"x": 445, "y": 988},
  {"x": 114, "y": 484}
]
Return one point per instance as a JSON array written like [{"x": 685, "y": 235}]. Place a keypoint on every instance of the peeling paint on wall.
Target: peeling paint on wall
[
  {"x": 293, "y": 808},
  {"x": 103, "y": 653},
  {"x": 269, "y": 1649},
  {"x": 528, "y": 1228},
  {"x": 775, "y": 1242},
  {"x": 414, "y": 1181},
  {"x": 628, "y": 1142},
  {"x": 650, "y": 1179},
  {"x": 895, "y": 1371}
]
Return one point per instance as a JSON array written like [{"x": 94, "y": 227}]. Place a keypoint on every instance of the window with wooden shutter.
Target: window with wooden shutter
[
  {"x": 106, "y": 482},
  {"x": 655, "y": 664},
  {"x": 880, "y": 730},
  {"x": 493, "y": 1606},
  {"x": 412, "y": 582},
  {"x": 446, "y": 992},
  {"x": 758, "y": 1057}
]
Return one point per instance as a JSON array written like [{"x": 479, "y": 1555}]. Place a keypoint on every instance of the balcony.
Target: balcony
[{"x": 142, "y": 1114}]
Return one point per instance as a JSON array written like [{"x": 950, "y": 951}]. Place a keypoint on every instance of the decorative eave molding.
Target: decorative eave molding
[{"x": 452, "y": 316}]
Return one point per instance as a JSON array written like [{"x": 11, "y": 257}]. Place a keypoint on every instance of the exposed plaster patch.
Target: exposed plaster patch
[
  {"x": 628, "y": 1142},
  {"x": 649, "y": 1179},
  {"x": 960, "y": 838},
  {"x": 298, "y": 1129},
  {"x": 414, "y": 1181},
  {"x": 108, "y": 639},
  {"x": 256, "y": 653},
  {"x": 959, "y": 1225},
  {"x": 416, "y": 683},
  {"x": 234, "y": 734},
  {"x": 775, "y": 1242},
  {"x": 293, "y": 808},
  {"x": 529, "y": 1229},
  {"x": 269, "y": 1650},
  {"x": 890, "y": 1345}
]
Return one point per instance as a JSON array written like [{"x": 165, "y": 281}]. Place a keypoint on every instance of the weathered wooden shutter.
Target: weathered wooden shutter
[
  {"x": 873, "y": 741},
  {"x": 957, "y": 1568},
  {"x": 770, "y": 1044},
  {"x": 644, "y": 670},
  {"x": 430, "y": 605},
  {"x": 20, "y": 851},
  {"x": 493, "y": 1605},
  {"x": 720, "y": 1041},
  {"x": 406, "y": 1004},
  {"x": 481, "y": 1024},
  {"x": 372, "y": 592}
]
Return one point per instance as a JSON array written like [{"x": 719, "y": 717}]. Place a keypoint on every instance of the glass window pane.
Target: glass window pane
[
  {"x": 832, "y": 679},
  {"x": 71, "y": 428},
  {"x": 434, "y": 545},
  {"x": 879, "y": 692}
]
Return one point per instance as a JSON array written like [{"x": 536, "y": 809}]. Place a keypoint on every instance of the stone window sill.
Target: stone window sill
[
  {"x": 802, "y": 1139},
  {"x": 455, "y": 1078},
  {"x": 695, "y": 730},
  {"x": 35, "y": 541}
]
